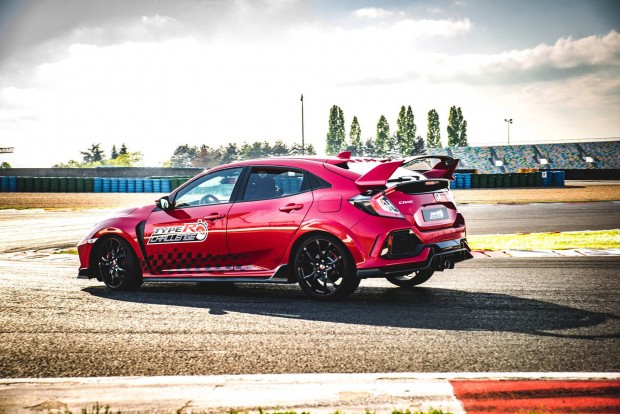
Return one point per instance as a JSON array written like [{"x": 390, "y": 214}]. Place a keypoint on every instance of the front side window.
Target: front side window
[
  {"x": 266, "y": 183},
  {"x": 214, "y": 188}
]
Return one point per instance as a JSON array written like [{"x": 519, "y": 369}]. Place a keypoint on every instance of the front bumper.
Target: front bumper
[
  {"x": 437, "y": 256},
  {"x": 84, "y": 273}
]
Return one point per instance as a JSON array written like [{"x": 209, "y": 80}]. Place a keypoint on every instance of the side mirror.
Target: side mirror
[{"x": 163, "y": 203}]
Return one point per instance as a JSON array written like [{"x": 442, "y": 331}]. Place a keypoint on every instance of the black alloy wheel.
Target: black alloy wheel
[
  {"x": 411, "y": 279},
  {"x": 117, "y": 265},
  {"x": 324, "y": 268}
]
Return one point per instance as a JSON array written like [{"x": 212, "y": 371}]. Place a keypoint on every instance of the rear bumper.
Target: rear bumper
[{"x": 439, "y": 256}]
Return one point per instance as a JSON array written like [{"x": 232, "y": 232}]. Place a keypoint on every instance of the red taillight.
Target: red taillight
[{"x": 377, "y": 204}]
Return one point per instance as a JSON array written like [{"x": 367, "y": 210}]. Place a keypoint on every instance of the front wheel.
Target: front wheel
[
  {"x": 117, "y": 265},
  {"x": 411, "y": 280},
  {"x": 324, "y": 268}
]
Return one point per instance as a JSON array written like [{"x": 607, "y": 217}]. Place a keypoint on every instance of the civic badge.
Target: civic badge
[{"x": 437, "y": 196}]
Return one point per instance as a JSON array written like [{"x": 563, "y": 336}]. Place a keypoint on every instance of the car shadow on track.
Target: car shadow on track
[{"x": 419, "y": 308}]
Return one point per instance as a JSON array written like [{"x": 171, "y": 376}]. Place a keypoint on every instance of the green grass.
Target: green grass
[{"x": 604, "y": 239}]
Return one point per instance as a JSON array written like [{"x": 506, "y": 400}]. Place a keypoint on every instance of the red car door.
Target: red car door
[
  {"x": 189, "y": 238},
  {"x": 261, "y": 225}
]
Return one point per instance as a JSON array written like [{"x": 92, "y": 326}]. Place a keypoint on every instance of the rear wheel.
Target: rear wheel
[
  {"x": 412, "y": 279},
  {"x": 324, "y": 268},
  {"x": 117, "y": 265}
]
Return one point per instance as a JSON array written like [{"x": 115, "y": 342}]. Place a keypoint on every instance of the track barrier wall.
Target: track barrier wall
[
  {"x": 168, "y": 184},
  {"x": 12, "y": 184}
]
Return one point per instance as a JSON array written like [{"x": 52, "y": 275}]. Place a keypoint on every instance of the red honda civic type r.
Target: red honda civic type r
[{"x": 325, "y": 223}]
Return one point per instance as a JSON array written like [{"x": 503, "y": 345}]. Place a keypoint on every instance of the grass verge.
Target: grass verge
[{"x": 604, "y": 239}]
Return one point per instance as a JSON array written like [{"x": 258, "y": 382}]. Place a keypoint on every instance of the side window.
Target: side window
[
  {"x": 213, "y": 188},
  {"x": 266, "y": 183},
  {"x": 318, "y": 183}
]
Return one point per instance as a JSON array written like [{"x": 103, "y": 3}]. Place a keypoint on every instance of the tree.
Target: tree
[
  {"x": 382, "y": 140},
  {"x": 113, "y": 153},
  {"x": 355, "y": 138},
  {"x": 123, "y": 149},
  {"x": 128, "y": 159},
  {"x": 457, "y": 128},
  {"x": 433, "y": 133},
  {"x": 93, "y": 154},
  {"x": 406, "y": 132},
  {"x": 401, "y": 130},
  {"x": 369, "y": 148},
  {"x": 254, "y": 150},
  {"x": 183, "y": 156},
  {"x": 335, "y": 141},
  {"x": 310, "y": 150},
  {"x": 279, "y": 149},
  {"x": 419, "y": 147},
  {"x": 207, "y": 157},
  {"x": 230, "y": 153},
  {"x": 5, "y": 165}
]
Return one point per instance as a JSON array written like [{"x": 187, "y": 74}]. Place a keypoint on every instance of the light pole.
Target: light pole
[
  {"x": 302, "y": 125},
  {"x": 509, "y": 121}
]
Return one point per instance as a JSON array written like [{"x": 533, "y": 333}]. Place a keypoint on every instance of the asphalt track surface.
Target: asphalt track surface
[
  {"x": 538, "y": 218},
  {"x": 488, "y": 315},
  {"x": 39, "y": 229}
]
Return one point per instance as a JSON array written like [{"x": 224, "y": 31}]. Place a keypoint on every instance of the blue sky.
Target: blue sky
[{"x": 157, "y": 74}]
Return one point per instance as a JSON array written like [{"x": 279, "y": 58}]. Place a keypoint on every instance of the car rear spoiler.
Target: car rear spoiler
[
  {"x": 378, "y": 176},
  {"x": 443, "y": 169}
]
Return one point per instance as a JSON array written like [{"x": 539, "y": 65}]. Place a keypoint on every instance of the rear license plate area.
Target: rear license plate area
[{"x": 435, "y": 214}]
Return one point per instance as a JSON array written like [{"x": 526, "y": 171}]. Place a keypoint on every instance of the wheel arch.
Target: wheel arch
[
  {"x": 335, "y": 229},
  {"x": 310, "y": 233},
  {"x": 108, "y": 233}
]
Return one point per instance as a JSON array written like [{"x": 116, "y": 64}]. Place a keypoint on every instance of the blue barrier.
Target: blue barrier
[
  {"x": 122, "y": 185},
  {"x": 114, "y": 185},
  {"x": 97, "y": 185},
  {"x": 131, "y": 185},
  {"x": 557, "y": 178},
  {"x": 139, "y": 185},
  {"x": 165, "y": 185},
  {"x": 156, "y": 185},
  {"x": 148, "y": 185},
  {"x": 4, "y": 184},
  {"x": 467, "y": 181},
  {"x": 105, "y": 185},
  {"x": 12, "y": 184}
]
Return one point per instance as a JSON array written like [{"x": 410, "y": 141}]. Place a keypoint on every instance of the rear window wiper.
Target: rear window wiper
[{"x": 400, "y": 179}]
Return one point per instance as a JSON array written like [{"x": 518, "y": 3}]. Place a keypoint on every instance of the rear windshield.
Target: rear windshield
[{"x": 401, "y": 174}]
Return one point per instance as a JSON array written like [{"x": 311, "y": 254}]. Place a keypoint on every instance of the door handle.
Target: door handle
[
  {"x": 214, "y": 216},
  {"x": 291, "y": 207}
]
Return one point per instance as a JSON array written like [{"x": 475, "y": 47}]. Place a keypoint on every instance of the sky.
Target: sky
[{"x": 156, "y": 74}]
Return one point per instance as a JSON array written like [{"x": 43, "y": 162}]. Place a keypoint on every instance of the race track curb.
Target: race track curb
[{"x": 316, "y": 393}]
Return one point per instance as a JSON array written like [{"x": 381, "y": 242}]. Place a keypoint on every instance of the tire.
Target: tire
[
  {"x": 324, "y": 268},
  {"x": 117, "y": 265},
  {"x": 412, "y": 279}
]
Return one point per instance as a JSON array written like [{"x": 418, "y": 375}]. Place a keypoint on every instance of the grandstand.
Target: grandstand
[{"x": 598, "y": 155}]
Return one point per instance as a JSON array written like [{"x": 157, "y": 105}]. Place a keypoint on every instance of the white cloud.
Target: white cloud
[
  {"x": 154, "y": 83},
  {"x": 375, "y": 13},
  {"x": 566, "y": 58}
]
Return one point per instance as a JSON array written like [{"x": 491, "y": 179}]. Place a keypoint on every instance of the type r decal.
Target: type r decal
[{"x": 187, "y": 233}]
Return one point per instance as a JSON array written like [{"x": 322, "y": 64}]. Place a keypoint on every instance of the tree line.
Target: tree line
[
  {"x": 404, "y": 142},
  {"x": 205, "y": 156},
  {"x": 94, "y": 156}
]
